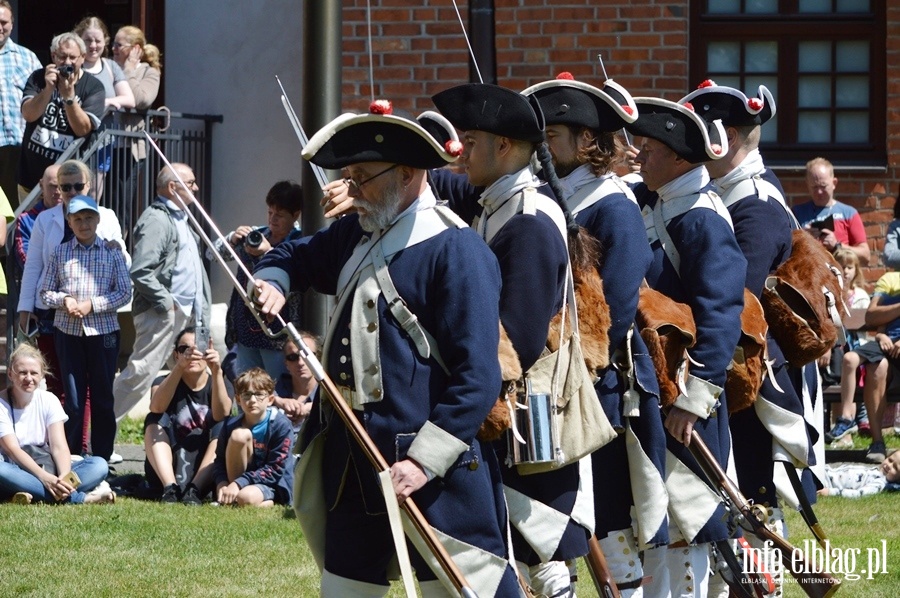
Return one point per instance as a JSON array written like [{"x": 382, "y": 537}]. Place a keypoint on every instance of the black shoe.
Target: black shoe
[
  {"x": 876, "y": 453},
  {"x": 171, "y": 493},
  {"x": 191, "y": 496}
]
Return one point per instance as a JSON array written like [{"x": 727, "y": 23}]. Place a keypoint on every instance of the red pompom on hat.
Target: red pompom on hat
[
  {"x": 706, "y": 83},
  {"x": 454, "y": 148},
  {"x": 689, "y": 106},
  {"x": 628, "y": 110},
  {"x": 755, "y": 104},
  {"x": 381, "y": 107},
  {"x": 566, "y": 75}
]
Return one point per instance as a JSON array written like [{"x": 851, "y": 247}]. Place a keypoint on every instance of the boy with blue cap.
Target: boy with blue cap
[{"x": 86, "y": 281}]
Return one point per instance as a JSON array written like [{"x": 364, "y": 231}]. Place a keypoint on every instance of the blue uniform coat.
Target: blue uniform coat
[{"x": 451, "y": 282}]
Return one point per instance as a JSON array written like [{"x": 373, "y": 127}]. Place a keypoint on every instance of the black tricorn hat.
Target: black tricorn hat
[
  {"x": 442, "y": 130},
  {"x": 680, "y": 128},
  {"x": 354, "y": 138},
  {"x": 491, "y": 108},
  {"x": 730, "y": 105},
  {"x": 565, "y": 101}
]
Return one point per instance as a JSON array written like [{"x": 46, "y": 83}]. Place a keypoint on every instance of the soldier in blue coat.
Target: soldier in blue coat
[
  {"x": 581, "y": 124},
  {"x": 774, "y": 429},
  {"x": 420, "y": 385},
  {"x": 551, "y": 513},
  {"x": 696, "y": 261}
]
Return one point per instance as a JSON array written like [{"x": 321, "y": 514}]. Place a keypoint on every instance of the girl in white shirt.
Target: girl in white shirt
[{"x": 34, "y": 454}]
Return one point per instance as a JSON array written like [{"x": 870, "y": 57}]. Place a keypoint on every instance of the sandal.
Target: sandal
[{"x": 22, "y": 498}]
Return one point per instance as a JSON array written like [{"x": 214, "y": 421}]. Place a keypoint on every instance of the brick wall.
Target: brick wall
[{"x": 419, "y": 50}]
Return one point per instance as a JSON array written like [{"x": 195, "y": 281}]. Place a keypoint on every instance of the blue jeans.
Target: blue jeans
[
  {"x": 83, "y": 361},
  {"x": 91, "y": 471}
]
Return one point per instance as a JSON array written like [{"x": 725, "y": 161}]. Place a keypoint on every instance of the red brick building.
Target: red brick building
[{"x": 657, "y": 48}]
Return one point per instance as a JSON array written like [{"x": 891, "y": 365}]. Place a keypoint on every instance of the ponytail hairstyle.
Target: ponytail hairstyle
[
  {"x": 152, "y": 56},
  {"x": 584, "y": 249}
]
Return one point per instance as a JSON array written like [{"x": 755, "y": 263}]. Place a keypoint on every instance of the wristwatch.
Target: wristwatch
[{"x": 69, "y": 101}]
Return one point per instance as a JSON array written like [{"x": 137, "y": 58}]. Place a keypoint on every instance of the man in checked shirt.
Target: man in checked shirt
[{"x": 86, "y": 282}]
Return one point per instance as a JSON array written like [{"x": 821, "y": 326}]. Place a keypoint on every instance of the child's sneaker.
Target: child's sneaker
[
  {"x": 865, "y": 429},
  {"x": 877, "y": 452},
  {"x": 841, "y": 428}
]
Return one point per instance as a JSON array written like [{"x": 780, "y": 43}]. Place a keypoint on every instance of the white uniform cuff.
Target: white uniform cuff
[
  {"x": 436, "y": 449},
  {"x": 701, "y": 399}
]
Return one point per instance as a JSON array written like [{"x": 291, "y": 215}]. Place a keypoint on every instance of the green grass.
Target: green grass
[
  {"x": 144, "y": 549},
  {"x": 136, "y": 548},
  {"x": 131, "y": 431}
]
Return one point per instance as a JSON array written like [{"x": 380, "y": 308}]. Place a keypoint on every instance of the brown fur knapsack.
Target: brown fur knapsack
[
  {"x": 796, "y": 304},
  {"x": 745, "y": 375},
  {"x": 668, "y": 329},
  {"x": 593, "y": 320},
  {"x": 498, "y": 420}
]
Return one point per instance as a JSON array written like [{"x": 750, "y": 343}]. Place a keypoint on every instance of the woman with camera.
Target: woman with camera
[{"x": 250, "y": 344}]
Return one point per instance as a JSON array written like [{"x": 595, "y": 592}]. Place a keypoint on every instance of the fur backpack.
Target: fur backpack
[
  {"x": 803, "y": 301},
  {"x": 745, "y": 376},
  {"x": 593, "y": 320},
  {"x": 668, "y": 329},
  {"x": 498, "y": 420}
]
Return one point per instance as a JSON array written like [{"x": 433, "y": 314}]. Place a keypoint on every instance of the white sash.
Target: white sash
[
  {"x": 589, "y": 194},
  {"x": 411, "y": 229}
]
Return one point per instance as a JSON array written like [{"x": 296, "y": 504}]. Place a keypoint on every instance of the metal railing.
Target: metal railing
[{"x": 121, "y": 182}]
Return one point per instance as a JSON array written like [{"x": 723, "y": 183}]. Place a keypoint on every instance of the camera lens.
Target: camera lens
[
  {"x": 66, "y": 70},
  {"x": 254, "y": 239}
]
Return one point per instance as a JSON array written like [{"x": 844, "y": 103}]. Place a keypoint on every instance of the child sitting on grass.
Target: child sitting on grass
[{"x": 254, "y": 464}]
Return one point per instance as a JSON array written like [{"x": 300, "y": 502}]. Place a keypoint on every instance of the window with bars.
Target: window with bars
[{"x": 823, "y": 61}]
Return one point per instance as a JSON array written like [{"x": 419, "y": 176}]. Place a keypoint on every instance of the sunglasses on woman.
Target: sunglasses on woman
[
  {"x": 67, "y": 187},
  {"x": 292, "y": 357}
]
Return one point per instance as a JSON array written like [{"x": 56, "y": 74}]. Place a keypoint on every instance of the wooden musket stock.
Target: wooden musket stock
[
  {"x": 599, "y": 568},
  {"x": 815, "y": 584}
]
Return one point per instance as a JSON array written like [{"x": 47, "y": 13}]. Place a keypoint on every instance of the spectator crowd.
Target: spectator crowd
[{"x": 74, "y": 273}]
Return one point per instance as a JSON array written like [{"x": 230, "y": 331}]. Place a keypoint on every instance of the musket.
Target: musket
[
  {"x": 628, "y": 139},
  {"x": 806, "y": 509},
  {"x": 416, "y": 517},
  {"x": 318, "y": 171},
  {"x": 599, "y": 568},
  {"x": 816, "y": 584}
]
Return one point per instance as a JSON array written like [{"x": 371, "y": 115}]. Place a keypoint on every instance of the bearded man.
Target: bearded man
[{"x": 418, "y": 306}]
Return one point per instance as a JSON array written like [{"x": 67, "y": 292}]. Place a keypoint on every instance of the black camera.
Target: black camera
[
  {"x": 254, "y": 239},
  {"x": 66, "y": 71}
]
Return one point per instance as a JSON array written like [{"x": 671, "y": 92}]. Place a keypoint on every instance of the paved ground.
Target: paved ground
[{"x": 133, "y": 455}]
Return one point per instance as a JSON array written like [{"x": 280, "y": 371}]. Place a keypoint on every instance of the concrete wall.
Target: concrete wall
[{"x": 221, "y": 58}]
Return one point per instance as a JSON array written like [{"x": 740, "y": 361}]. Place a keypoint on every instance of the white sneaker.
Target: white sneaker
[
  {"x": 101, "y": 488},
  {"x": 115, "y": 458}
]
